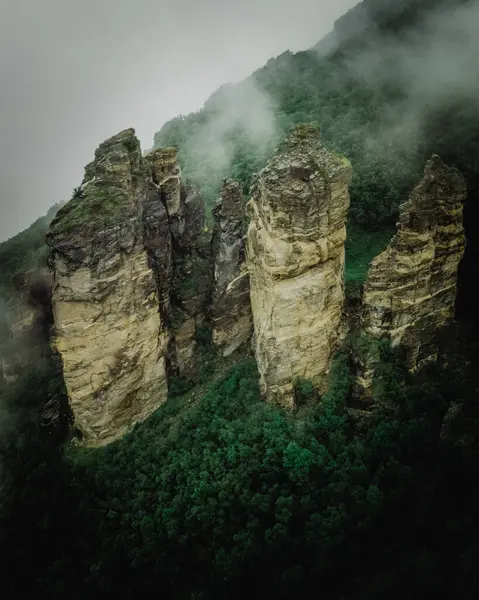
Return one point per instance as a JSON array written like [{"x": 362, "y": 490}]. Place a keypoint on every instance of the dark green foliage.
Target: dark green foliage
[
  {"x": 34, "y": 481},
  {"x": 361, "y": 248},
  {"x": 220, "y": 495},
  {"x": 303, "y": 391},
  {"x": 24, "y": 251},
  {"x": 238, "y": 494}
]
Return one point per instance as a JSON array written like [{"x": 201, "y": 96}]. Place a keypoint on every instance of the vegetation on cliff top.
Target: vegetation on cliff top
[
  {"x": 108, "y": 189},
  {"x": 229, "y": 494}
]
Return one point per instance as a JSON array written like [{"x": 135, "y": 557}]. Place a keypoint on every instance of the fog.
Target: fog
[
  {"x": 74, "y": 73},
  {"x": 437, "y": 65}
]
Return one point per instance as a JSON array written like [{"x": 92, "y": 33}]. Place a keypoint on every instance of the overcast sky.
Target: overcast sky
[{"x": 74, "y": 72}]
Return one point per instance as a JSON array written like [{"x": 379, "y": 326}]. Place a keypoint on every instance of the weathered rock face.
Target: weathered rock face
[
  {"x": 410, "y": 290},
  {"x": 190, "y": 288},
  {"x": 295, "y": 256},
  {"x": 108, "y": 329},
  {"x": 231, "y": 306},
  {"x": 180, "y": 261}
]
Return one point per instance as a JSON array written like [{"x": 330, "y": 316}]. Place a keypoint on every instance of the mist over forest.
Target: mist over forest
[{"x": 218, "y": 492}]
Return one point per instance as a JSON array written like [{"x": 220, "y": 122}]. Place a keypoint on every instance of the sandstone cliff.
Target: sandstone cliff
[
  {"x": 230, "y": 305},
  {"x": 295, "y": 256},
  {"x": 410, "y": 289},
  {"x": 108, "y": 329}
]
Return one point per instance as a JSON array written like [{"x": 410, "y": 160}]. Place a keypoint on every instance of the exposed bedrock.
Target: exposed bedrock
[
  {"x": 295, "y": 257},
  {"x": 189, "y": 259},
  {"x": 410, "y": 290}
]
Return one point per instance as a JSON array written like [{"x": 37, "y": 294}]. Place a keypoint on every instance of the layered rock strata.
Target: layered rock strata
[
  {"x": 410, "y": 290},
  {"x": 230, "y": 299},
  {"x": 108, "y": 327},
  {"x": 295, "y": 256}
]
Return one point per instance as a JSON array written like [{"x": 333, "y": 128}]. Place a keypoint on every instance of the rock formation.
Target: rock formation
[
  {"x": 108, "y": 329},
  {"x": 295, "y": 256},
  {"x": 230, "y": 306},
  {"x": 181, "y": 264},
  {"x": 410, "y": 290}
]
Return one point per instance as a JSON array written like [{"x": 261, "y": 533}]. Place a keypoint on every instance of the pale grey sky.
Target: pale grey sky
[{"x": 73, "y": 73}]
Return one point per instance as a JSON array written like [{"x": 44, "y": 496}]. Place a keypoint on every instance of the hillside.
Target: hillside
[
  {"x": 387, "y": 96},
  {"x": 24, "y": 251},
  {"x": 218, "y": 494}
]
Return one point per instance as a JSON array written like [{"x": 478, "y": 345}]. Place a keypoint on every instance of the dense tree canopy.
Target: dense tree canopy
[
  {"x": 220, "y": 495},
  {"x": 209, "y": 498}
]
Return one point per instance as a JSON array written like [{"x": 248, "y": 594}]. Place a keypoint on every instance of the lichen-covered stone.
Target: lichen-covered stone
[
  {"x": 108, "y": 329},
  {"x": 410, "y": 289},
  {"x": 230, "y": 305},
  {"x": 295, "y": 256}
]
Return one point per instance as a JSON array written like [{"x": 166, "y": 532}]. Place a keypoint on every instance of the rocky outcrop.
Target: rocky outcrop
[
  {"x": 295, "y": 256},
  {"x": 230, "y": 305},
  {"x": 181, "y": 263},
  {"x": 108, "y": 329},
  {"x": 162, "y": 195},
  {"x": 410, "y": 290}
]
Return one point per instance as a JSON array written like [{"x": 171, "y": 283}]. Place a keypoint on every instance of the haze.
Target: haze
[{"x": 74, "y": 73}]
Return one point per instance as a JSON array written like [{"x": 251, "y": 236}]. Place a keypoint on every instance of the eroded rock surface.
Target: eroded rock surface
[
  {"x": 231, "y": 306},
  {"x": 182, "y": 262},
  {"x": 295, "y": 256},
  {"x": 108, "y": 327},
  {"x": 410, "y": 290}
]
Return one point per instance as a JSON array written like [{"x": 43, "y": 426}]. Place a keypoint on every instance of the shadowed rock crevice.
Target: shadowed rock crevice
[
  {"x": 108, "y": 327},
  {"x": 230, "y": 298}
]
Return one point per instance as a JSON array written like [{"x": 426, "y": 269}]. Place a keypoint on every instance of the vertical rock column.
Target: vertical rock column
[
  {"x": 230, "y": 306},
  {"x": 108, "y": 328},
  {"x": 188, "y": 275},
  {"x": 295, "y": 256},
  {"x": 163, "y": 196},
  {"x": 410, "y": 290}
]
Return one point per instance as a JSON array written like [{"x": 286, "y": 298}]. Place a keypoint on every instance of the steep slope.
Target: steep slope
[
  {"x": 295, "y": 256},
  {"x": 410, "y": 290}
]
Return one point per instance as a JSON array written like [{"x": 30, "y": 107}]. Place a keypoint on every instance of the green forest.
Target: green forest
[{"x": 219, "y": 494}]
